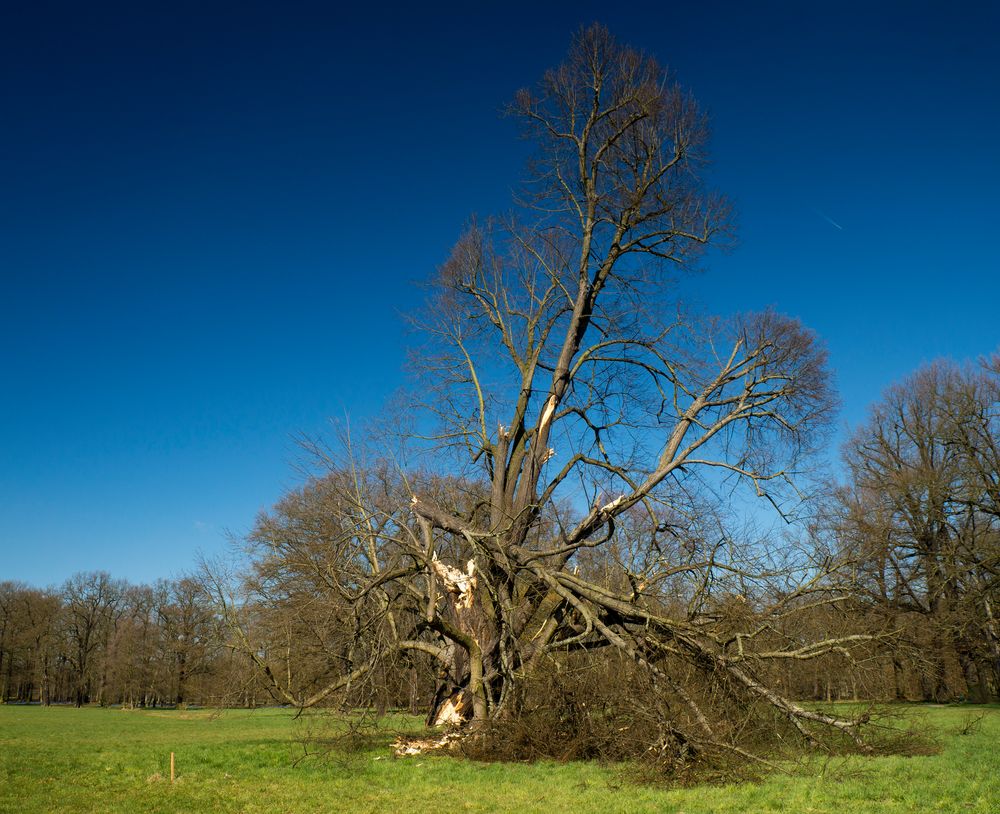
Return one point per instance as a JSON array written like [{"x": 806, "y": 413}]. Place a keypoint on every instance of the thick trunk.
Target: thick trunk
[
  {"x": 976, "y": 690},
  {"x": 181, "y": 679},
  {"x": 46, "y": 698},
  {"x": 461, "y": 693},
  {"x": 899, "y": 679}
]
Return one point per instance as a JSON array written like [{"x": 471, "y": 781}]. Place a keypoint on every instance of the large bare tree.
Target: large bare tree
[{"x": 592, "y": 444}]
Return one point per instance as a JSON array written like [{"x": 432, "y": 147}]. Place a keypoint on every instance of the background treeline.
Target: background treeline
[{"x": 101, "y": 640}]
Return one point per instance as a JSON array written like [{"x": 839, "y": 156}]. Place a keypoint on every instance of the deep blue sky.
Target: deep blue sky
[{"x": 212, "y": 215}]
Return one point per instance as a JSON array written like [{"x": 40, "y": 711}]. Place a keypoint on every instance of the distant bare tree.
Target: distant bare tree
[
  {"x": 922, "y": 504},
  {"x": 187, "y": 624},
  {"x": 9, "y": 628},
  {"x": 90, "y": 603}
]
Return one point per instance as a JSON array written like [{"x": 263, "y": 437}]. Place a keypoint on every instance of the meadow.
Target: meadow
[{"x": 61, "y": 759}]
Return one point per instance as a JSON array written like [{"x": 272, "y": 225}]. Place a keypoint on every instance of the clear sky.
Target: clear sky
[{"x": 212, "y": 216}]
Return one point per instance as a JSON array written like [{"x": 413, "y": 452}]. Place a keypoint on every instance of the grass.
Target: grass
[{"x": 101, "y": 760}]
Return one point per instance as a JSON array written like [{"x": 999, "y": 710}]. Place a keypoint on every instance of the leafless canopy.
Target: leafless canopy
[
  {"x": 584, "y": 434},
  {"x": 922, "y": 505}
]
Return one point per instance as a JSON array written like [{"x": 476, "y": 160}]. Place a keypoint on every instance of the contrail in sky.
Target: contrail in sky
[{"x": 829, "y": 220}]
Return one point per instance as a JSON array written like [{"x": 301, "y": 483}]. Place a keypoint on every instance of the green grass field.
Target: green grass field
[{"x": 103, "y": 760}]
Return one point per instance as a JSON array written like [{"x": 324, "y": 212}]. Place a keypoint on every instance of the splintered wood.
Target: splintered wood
[
  {"x": 462, "y": 585},
  {"x": 408, "y": 747},
  {"x": 452, "y": 712}
]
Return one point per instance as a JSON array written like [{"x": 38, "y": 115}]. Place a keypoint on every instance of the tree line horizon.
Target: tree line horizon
[{"x": 98, "y": 639}]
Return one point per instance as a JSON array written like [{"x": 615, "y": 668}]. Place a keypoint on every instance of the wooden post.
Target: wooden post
[{"x": 171, "y": 767}]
